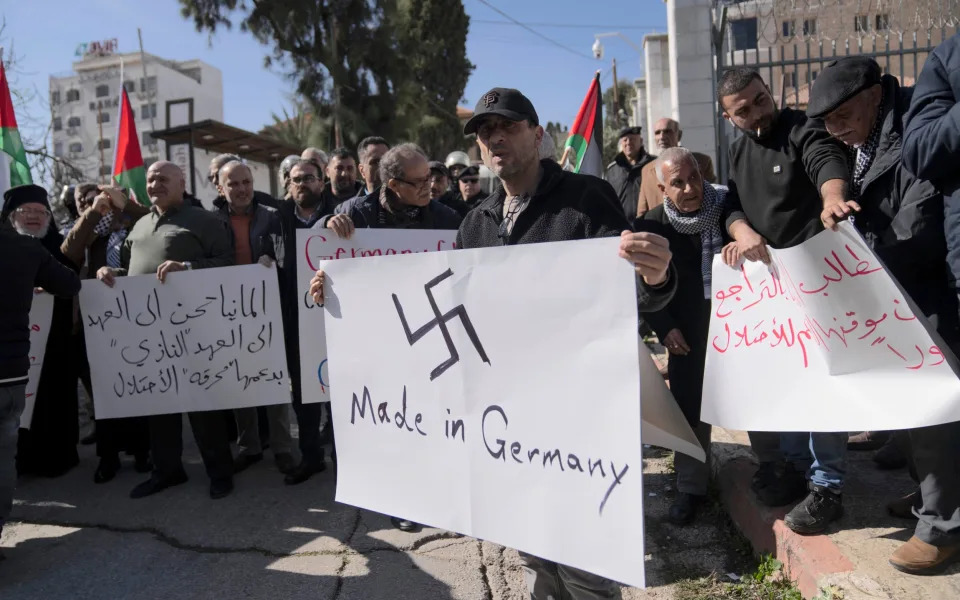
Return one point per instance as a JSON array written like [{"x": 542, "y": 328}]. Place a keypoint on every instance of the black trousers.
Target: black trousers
[
  {"x": 129, "y": 434},
  {"x": 210, "y": 432}
]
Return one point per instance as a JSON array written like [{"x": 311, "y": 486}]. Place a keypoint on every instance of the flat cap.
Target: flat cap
[
  {"x": 839, "y": 81},
  {"x": 635, "y": 130},
  {"x": 437, "y": 167},
  {"x": 506, "y": 102}
]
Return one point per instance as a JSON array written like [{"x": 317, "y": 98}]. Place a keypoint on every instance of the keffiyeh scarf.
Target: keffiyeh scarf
[{"x": 706, "y": 222}]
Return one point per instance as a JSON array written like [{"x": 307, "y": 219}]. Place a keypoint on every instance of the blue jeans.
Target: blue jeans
[
  {"x": 823, "y": 455},
  {"x": 12, "y": 399}
]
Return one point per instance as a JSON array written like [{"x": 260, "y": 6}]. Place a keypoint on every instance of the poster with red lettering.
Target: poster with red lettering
[
  {"x": 41, "y": 315},
  {"x": 315, "y": 249},
  {"x": 823, "y": 339}
]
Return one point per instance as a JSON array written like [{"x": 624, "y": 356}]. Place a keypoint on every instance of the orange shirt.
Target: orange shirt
[{"x": 241, "y": 239}]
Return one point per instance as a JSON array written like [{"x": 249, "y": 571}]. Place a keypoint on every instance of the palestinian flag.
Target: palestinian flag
[
  {"x": 586, "y": 135},
  {"x": 128, "y": 168},
  {"x": 14, "y": 169}
]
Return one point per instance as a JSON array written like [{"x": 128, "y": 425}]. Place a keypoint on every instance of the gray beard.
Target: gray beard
[{"x": 27, "y": 232}]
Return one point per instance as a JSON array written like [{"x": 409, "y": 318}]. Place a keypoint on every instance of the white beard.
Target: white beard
[{"x": 38, "y": 233}]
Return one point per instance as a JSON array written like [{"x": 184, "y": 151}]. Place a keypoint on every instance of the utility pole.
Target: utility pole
[
  {"x": 334, "y": 67},
  {"x": 616, "y": 95},
  {"x": 146, "y": 87},
  {"x": 100, "y": 129}
]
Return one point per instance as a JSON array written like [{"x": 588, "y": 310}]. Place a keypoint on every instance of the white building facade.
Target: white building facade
[{"x": 85, "y": 106}]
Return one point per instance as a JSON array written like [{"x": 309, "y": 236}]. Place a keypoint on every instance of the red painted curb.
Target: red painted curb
[{"x": 806, "y": 559}]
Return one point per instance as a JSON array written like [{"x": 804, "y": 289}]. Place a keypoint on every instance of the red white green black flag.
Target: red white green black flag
[
  {"x": 128, "y": 168},
  {"x": 14, "y": 169},
  {"x": 586, "y": 135}
]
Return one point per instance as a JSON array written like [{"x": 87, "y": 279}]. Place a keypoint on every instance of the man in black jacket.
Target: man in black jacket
[
  {"x": 779, "y": 171},
  {"x": 539, "y": 202},
  {"x": 24, "y": 265},
  {"x": 931, "y": 150},
  {"x": 217, "y": 163},
  {"x": 624, "y": 173}
]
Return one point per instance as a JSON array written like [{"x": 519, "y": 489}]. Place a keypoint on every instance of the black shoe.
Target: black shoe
[
  {"x": 404, "y": 525},
  {"x": 890, "y": 457},
  {"x": 788, "y": 486},
  {"x": 684, "y": 508},
  {"x": 89, "y": 440},
  {"x": 221, "y": 488},
  {"x": 285, "y": 463},
  {"x": 106, "y": 470},
  {"x": 142, "y": 463},
  {"x": 820, "y": 508},
  {"x": 155, "y": 485},
  {"x": 765, "y": 474},
  {"x": 303, "y": 472},
  {"x": 245, "y": 460},
  {"x": 902, "y": 508}
]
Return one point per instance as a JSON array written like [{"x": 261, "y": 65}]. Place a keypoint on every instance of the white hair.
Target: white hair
[{"x": 674, "y": 155}]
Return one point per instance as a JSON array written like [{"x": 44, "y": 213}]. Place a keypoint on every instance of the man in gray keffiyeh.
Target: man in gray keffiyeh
[{"x": 690, "y": 218}]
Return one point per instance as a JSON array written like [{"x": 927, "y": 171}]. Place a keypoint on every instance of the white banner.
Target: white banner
[
  {"x": 205, "y": 340},
  {"x": 822, "y": 340},
  {"x": 494, "y": 392},
  {"x": 316, "y": 248},
  {"x": 41, "y": 317}
]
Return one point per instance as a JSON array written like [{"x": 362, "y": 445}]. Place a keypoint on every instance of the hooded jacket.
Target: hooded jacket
[
  {"x": 566, "y": 206},
  {"x": 366, "y": 211}
]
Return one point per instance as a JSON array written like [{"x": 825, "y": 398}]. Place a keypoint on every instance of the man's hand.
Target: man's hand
[
  {"x": 731, "y": 254},
  {"x": 341, "y": 225},
  {"x": 316, "y": 287},
  {"x": 107, "y": 275},
  {"x": 675, "y": 343},
  {"x": 115, "y": 195},
  {"x": 649, "y": 253},
  {"x": 169, "y": 266},
  {"x": 750, "y": 244},
  {"x": 838, "y": 211},
  {"x": 101, "y": 204}
]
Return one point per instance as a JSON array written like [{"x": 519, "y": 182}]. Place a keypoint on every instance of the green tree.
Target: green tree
[
  {"x": 300, "y": 126},
  {"x": 559, "y": 133},
  {"x": 395, "y": 68},
  {"x": 613, "y": 122}
]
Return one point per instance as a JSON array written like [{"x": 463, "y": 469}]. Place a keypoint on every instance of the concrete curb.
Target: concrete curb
[{"x": 807, "y": 559}]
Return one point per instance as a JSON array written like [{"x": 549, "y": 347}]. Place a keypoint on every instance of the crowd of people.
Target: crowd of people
[{"x": 865, "y": 147}]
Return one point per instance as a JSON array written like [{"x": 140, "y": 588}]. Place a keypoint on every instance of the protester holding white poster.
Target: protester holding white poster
[
  {"x": 41, "y": 316},
  {"x": 538, "y": 202}
]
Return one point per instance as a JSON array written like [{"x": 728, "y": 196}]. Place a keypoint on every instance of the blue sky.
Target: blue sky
[{"x": 46, "y": 33}]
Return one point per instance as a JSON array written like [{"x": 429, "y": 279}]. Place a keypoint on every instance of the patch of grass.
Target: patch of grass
[{"x": 767, "y": 582}]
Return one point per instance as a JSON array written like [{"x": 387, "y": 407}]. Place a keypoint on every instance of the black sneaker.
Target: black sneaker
[
  {"x": 684, "y": 508},
  {"x": 221, "y": 488},
  {"x": 765, "y": 474},
  {"x": 404, "y": 524},
  {"x": 820, "y": 508},
  {"x": 789, "y": 485}
]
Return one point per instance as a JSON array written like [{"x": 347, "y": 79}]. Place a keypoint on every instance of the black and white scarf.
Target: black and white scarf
[{"x": 706, "y": 222}]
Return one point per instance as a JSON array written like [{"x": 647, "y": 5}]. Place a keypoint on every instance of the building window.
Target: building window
[
  {"x": 813, "y": 75},
  {"x": 103, "y": 91},
  {"x": 93, "y": 106},
  {"x": 147, "y": 138},
  {"x": 103, "y": 117},
  {"x": 149, "y": 160},
  {"x": 58, "y": 148},
  {"x": 790, "y": 79},
  {"x": 103, "y": 144},
  {"x": 148, "y": 111},
  {"x": 106, "y": 170},
  {"x": 809, "y": 27},
  {"x": 55, "y": 97},
  {"x": 76, "y": 148},
  {"x": 57, "y": 123},
  {"x": 789, "y": 29},
  {"x": 882, "y": 22},
  {"x": 73, "y": 122},
  {"x": 860, "y": 23},
  {"x": 148, "y": 85},
  {"x": 130, "y": 86},
  {"x": 73, "y": 95},
  {"x": 744, "y": 34}
]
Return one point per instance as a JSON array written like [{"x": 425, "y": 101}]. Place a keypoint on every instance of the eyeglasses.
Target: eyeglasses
[
  {"x": 33, "y": 212},
  {"x": 469, "y": 179},
  {"x": 303, "y": 180},
  {"x": 419, "y": 184}
]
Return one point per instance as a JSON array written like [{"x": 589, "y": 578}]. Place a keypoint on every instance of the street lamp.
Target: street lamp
[{"x": 598, "y": 54}]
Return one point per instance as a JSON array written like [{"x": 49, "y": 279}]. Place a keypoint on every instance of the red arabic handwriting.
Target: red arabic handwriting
[
  {"x": 341, "y": 252},
  {"x": 862, "y": 268}
]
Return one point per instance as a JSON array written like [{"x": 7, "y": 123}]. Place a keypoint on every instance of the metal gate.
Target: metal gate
[{"x": 789, "y": 41}]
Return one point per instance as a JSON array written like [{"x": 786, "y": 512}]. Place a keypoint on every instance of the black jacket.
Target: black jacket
[
  {"x": 901, "y": 216},
  {"x": 365, "y": 212},
  {"x": 261, "y": 198},
  {"x": 931, "y": 142},
  {"x": 331, "y": 199},
  {"x": 454, "y": 201},
  {"x": 775, "y": 182},
  {"x": 625, "y": 179},
  {"x": 25, "y": 264},
  {"x": 566, "y": 206},
  {"x": 265, "y": 229}
]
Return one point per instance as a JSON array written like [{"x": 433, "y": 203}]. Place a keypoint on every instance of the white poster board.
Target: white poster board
[
  {"x": 494, "y": 393},
  {"x": 41, "y": 318},
  {"x": 205, "y": 340},
  {"x": 822, "y": 340},
  {"x": 314, "y": 250}
]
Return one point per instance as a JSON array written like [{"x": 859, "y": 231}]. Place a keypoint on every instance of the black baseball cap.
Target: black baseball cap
[
  {"x": 506, "y": 102},
  {"x": 635, "y": 130},
  {"x": 437, "y": 167},
  {"x": 471, "y": 171},
  {"x": 839, "y": 81}
]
